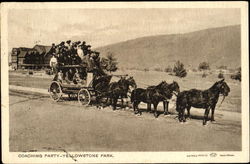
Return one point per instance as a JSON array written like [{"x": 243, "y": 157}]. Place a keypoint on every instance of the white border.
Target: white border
[{"x": 135, "y": 157}]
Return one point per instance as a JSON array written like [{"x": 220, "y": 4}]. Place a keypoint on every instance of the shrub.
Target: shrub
[
  {"x": 204, "y": 75},
  {"x": 237, "y": 75},
  {"x": 109, "y": 63},
  {"x": 179, "y": 69},
  {"x": 203, "y": 66},
  {"x": 220, "y": 76},
  {"x": 146, "y": 69}
]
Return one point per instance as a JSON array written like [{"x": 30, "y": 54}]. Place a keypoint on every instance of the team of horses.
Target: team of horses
[{"x": 163, "y": 92}]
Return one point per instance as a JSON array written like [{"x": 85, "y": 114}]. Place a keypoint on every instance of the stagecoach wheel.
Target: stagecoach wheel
[
  {"x": 84, "y": 97},
  {"x": 55, "y": 91}
]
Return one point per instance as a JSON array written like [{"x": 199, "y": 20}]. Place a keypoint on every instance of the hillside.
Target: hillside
[{"x": 218, "y": 46}]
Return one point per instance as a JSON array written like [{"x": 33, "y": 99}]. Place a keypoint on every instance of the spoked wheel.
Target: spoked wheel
[
  {"x": 84, "y": 97},
  {"x": 55, "y": 91}
]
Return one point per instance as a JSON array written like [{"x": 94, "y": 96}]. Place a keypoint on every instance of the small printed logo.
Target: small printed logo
[{"x": 213, "y": 154}]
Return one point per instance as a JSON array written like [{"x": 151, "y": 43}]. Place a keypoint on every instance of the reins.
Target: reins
[{"x": 222, "y": 101}]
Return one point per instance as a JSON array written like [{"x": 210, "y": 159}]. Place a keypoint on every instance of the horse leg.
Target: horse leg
[
  {"x": 134, "y": 106},
  {"x": 206, "y": 116},
  {"x": 136, "y": 109},
  {"x": 188, "y": 112},
  {"x": 114, "y": 102},
  {"x": 122, "y": 101},
  {"x": 180, "y": 116},
  {"x": 165, "y": 106},
  {"x": 212, "y": 116},
  {"x": 183, "y": 115},
  {"x": 98, "y": 102},
  {"x": 107, "y": 100},
  {"x": 148, "y": 107},
  {"x": 126, "y": 103},
  {"x": 155, "y": 110}
]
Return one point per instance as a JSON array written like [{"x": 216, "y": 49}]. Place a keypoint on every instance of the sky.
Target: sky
[{"x": 100, "y": 27}]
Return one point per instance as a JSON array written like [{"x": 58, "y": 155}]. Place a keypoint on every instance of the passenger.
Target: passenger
[
  {"x": 60, "y": 76},
  {"x": 80, "y": 52},
  {"x": 87, "y": 50},
  {"x": 69, "y": 76},
  {"x": 83, "y": 47},
  {"x": 52, "y": 49},
  {"x": 68, "y": 45},
  {"x": 76, "y": 78},
  {"x": 53, "y": 64}
]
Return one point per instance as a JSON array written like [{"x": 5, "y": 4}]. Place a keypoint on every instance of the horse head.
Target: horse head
[
  {"x": 175, "y": 87},
  {"x": 131, "y": 82},
  {"x": 162, "y": 85},
  {"x": 223, "y": 87}
]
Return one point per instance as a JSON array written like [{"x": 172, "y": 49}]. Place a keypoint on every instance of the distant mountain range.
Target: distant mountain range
[{"x": 217, "y": 46}]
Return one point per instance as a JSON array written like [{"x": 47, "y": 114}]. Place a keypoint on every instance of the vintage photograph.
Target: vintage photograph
[{"x": 109, "y": 79}]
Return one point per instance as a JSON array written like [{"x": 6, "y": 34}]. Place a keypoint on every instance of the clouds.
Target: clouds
[{"x": 105, "y": 26}]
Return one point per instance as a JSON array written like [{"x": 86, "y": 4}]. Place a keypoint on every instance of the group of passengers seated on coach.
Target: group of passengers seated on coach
[{"x": 71, "y": 76}]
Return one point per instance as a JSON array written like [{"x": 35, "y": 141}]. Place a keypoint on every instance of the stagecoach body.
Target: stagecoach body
[{"x": 84, "y": 93}]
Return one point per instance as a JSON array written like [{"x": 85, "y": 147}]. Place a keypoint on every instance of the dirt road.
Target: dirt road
[{"x": 39, "y": 124}]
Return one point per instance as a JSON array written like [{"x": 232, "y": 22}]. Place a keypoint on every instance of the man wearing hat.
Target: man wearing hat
[
  {"x": 52, "y": 49},
  {"x": 53, "y": 64},
  {"x": 83, "y": 43},
  {"x": 68, "y": 44},
  {"x": 62, "y": 43},
  {"x": 89, "y": 49}
]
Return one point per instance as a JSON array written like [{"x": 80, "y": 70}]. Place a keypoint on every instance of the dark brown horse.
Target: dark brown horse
[
  {"x": 120, "y": 89},
  {"x": 172, "y": 88},
  {"x": 116, "y": 90},
  {"x": 206, "y": 99},
  {"x": 153, "y": 95}
]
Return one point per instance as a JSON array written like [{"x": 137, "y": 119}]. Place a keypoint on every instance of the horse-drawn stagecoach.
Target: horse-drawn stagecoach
[
  {"x": 83, "y": 91},
  {"x": 97, "y": 87},
  {"x": 93, "y": 87}
]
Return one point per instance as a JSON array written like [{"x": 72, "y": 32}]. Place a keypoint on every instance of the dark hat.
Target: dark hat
[
  {"x": 97, "y": 52},
  {"x": 68, "y": 41},
  {"x": 53, "y": 44},
  {"x": 62, "y": 43},
  {"x": 88, "y": 46},
  {"x": 78, "y": 42},
  {"x": 83, "y": 42}
]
